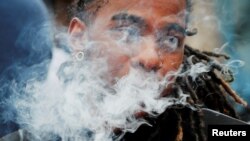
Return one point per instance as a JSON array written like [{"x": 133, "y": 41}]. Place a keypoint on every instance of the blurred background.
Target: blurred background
[
  {"x": 25, "y": 51},
  {"x": 221, "y": 24},
  {"x": 225, "y": 24}
]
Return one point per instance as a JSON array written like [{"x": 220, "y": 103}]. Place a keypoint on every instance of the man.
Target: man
[
  {"x": 147, "y": 36},
  {"x": 154, "y": 32}
]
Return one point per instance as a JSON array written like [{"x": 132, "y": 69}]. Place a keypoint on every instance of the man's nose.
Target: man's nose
[{"x": 148, "y": 57}]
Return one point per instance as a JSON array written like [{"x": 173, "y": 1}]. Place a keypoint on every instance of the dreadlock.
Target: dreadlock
[{"x": 209, "y": 89}]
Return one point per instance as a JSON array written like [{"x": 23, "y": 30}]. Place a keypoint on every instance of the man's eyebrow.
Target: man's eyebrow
[
  {"x": 131, "y": 19},
  {"x": 176, "y": 27}
]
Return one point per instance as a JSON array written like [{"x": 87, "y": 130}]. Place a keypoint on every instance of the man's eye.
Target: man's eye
[
  {"x": 125, "y": 34},
  {"x": 170, "y": 43}
]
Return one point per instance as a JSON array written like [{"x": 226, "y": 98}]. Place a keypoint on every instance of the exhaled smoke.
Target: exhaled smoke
[{"x": 77, "y": 102}]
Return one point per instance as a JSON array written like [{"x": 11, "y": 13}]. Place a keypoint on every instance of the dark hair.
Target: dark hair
[{"x": 85, "y": 9}]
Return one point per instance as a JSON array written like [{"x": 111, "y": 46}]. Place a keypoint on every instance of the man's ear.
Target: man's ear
[
  {"x": 76, "y": 31},
  {"x": 76, "y": 27}
]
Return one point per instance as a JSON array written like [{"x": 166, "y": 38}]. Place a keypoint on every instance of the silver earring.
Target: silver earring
[{"x": 79, "y": 56}]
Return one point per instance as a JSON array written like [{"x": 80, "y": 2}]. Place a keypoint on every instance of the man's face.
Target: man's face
[{"x": 144, "y": 34}]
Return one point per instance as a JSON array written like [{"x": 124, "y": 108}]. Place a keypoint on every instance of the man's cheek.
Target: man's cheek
[
  {"x": 118, "y": 65},
  {"x": 171, "y": 64}
]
